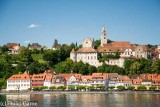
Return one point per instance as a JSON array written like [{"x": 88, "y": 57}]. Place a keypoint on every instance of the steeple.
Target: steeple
[{"x": 103, "y": 36}]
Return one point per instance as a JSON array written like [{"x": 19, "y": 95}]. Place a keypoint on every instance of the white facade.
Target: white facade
[
  {"x": 99, "y": 82},
  {"x": 88, "y": 42},
  {"x": 47, "y": 83},
  {"x": 18, "y": 84},
  {"x": 128, "y": 53},
  {"x": 73, "y": 55},
  {"x": 15, "y": 50},
  {"x": 158, "y": 52},
  {"x": 141, "y": 53},
  {"x": 85, "y": 82},
  {"x": 72, "y": 81},
  {"x": 90, "y": 58},
  {"x": 119, "y": 62}
]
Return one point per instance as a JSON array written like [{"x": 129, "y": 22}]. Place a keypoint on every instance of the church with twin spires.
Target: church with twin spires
[{"x": 87, "y": 54}]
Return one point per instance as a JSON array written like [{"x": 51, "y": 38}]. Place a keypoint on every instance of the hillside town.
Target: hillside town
[
  {"x": 49, "y": 78},
  {"x": 110, "y": 63},
  {"x": 88, "y": 54}
]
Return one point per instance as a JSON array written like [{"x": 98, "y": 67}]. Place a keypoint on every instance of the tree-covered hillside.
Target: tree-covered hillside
[{"x": 36, "y": 61}]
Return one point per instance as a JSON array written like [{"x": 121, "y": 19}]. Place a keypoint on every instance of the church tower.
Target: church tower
[
  {"x": 103, "y": 36},
  {"x": 73, "y": 55}
]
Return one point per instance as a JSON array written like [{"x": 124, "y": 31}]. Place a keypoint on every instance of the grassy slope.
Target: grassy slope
[{"x": 38, "y": 57}]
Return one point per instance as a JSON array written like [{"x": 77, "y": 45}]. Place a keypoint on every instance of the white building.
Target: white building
[
  {"x": 158, "y": 50},
  {"x": 86, "y": 80},
  {"x": 19, "y": 82},
  {"x": 103, "y": 36},
  {"x": 87, "y": 54},
  {"x": 48, "y": 79},
  {"x": 99, "y": 79},
  {"x": 119, "y": 80},
  {"x": 119, "y": 62},
  {"x": 15, "y": 49}
]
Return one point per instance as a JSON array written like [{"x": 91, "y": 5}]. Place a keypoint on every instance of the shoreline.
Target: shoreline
[{"x": 81, "y": 92}]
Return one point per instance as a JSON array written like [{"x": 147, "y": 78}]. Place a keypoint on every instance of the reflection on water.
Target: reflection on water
[{"x": 87, "y": 100}]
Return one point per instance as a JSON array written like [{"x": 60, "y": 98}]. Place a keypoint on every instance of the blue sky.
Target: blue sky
[{"x": 42, "y": 21}]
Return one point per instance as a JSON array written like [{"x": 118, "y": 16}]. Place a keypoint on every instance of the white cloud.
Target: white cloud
[
  {"x": 27, "y": 41},
  {"x": 32, "y": 26}
]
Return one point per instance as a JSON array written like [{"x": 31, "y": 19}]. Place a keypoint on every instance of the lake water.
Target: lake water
[{"x": 81, "y": 100}]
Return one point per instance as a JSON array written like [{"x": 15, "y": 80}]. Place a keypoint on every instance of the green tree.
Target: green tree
[
  {"x": 25, "y": 56},
  {"x": 127, "y": 65},
  {"x": 152, "y": 88},
  {"x": 63, "y": 67},
  {"x": 80, "y": 87},
  {"x": 91, "y": 69},
  {"x": 156, "y": 67},
  {"x": 36, "y": 67},
  {"x": 141, "y": 87},
  {"x": 36, "y": 88},
  {"x": 90, "y": 88},
  {"x": 52, "y": 88},
  {"x": 7, "y": 57},
  {"x": 55, "y": 43},
  {"x": 80, "y": 67},
  {"x": 145, "y": 65},
  {"x": 61, "y": 87},
  {"x": 4, "y": 49},
  {"x": 111, "y": 87},
  {"x": 20, "y": 67},
  {"x": 97, "y": 43},
  {"x": 109, "y": 41},
  {"x": 102, "y": 68},
  {"x": 100, "y": 87},
  {"x": 121, "y": 87},
  {"x": 15, "y": 58},
  {"x": 52, "y": 56},
  {"x": 71, "y": 88},
  {"x": 130, "y": 87},
  {"x": 135, "y": 68}
]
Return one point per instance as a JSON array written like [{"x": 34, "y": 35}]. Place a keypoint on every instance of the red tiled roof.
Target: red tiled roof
[
  {"x": 38, "y": 76},
  {"x": 86, "y": 49},
  {"x": 23, "y": 76},
  {"x": 118, "y": 44},
  {"x": 88, "y": 77},
  {"x": 66, "y": 76},
  {"x": 137, "y": 81},
  {"x": 15, "y": 47},
  {"x": 114, "y": 47},
  {"x": 99, "y": 75}
]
